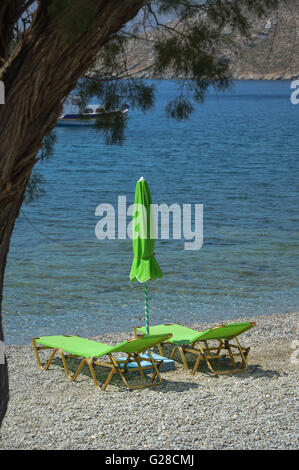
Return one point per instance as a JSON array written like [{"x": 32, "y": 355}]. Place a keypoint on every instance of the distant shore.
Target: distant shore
[
  {"x": 254, "y": 410},
  {"x": 240, "y": 77}
]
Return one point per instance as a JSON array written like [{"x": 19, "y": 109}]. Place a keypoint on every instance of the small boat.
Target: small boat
[{"x": 71, "y": 115}]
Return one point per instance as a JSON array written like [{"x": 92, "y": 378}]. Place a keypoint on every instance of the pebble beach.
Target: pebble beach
[{"x": 252, "y": 410}]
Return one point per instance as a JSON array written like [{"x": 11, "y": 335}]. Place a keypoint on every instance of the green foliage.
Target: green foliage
[
  {"x": 222, "y": 8},
  {"x": 260, "y": 7},
  {"x": 74, "y": 16},
  {"x": 113, "y": 94},
  {"x": 179, "y": 109},
  {"x": 34, "y": 188},
  {"x": 48, "y": 146},
  {"x": 190, "y": 50},
  {"x": 113, "y": 126},
  {"x": 188, "y": 46},
  {"x": 110, "y": 55},
  {"x": 179, "y": 8}
]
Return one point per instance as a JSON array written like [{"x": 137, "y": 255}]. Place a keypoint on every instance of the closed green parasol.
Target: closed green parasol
[{"x": 145, "y": 266}]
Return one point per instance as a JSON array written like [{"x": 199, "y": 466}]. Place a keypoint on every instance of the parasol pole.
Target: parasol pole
[{"x": 146, "y": 308}]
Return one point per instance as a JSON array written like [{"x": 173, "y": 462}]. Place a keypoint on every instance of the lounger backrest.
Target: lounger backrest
[
  {"x": 140, "y": 343},
  {"x": 180, "y": 334},
  {"x": 225, "y": 331},
  {"x": 87, "y": 348}
]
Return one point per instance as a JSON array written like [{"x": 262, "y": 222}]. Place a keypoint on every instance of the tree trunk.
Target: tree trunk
[
  {"x": 42, "y": 70},
  {"x": 8, "y": 216}
]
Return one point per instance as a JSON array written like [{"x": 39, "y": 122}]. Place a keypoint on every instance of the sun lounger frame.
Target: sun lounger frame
[
  {"x": 116, "y": 366},
  {"x": 203, "y": 351}
]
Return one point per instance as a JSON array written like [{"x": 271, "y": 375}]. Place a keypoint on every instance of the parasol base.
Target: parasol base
[{"x": 168, "y": 364}]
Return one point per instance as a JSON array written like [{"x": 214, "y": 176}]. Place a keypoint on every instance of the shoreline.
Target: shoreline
[
  {"x": 202, "y": 325},
  {"x": 252, "y": 410},
  {"x": 249, "y": 78}
]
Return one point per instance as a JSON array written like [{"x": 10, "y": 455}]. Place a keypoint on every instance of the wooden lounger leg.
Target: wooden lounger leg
[
  {"x": 156, "y": 373},
  {"x": 79, "y": 368},
  {"x": 244, "y": 354},
  {"x": 113, "y": 365},
  {"x": 173, "y": 352},
  {"x": 208, "y": 355},
  {"x": 200, "y": 356},
  {"x": 160, "y": 349},
  {"x": 35, "y": 348},
  {"x": 181, "y": 350},
  {"x": 229, "y": 347},
  {"x": 93, "y": 375},
  {"x": 67, "y": 373},
  {"x": 182, "y": 353},
  {"x": 66, "y": 369},
  {"x": 119, "y": 370},
  {"x": 138, "y": 362},
  {"x": 220, "y": 347},
  {"x": 110, "y": 375},
  {"x": 90, "y": 364}
]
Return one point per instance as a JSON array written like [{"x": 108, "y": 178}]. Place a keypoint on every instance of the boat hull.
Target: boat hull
[{"x": 77, "y": 121}]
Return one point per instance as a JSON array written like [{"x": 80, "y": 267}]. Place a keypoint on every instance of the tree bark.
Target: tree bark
[
  {"x": 8, "y": 215},
  {"x": 42, "y": 70}
]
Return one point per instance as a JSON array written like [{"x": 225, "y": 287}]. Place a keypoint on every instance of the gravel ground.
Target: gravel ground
[{"x": 253, "y": 410}]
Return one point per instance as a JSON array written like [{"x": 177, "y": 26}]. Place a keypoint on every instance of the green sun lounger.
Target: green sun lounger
[
  {"x": 90, "y": 351},
  {"x": 186, "y": 340}
]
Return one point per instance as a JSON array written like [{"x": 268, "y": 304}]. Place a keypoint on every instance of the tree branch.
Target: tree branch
[
  {"x": 42, "y": 70},
  {"x": 11, "y": 12}
]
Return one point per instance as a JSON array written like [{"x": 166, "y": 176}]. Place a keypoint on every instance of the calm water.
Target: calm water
[{"x": 238, "y": 156}]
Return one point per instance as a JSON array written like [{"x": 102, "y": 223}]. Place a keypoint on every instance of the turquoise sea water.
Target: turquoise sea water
[{"x": 238, "y": 156}]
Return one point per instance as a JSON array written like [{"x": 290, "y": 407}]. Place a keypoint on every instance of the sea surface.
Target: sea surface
[{"x": 237, "y": 155}]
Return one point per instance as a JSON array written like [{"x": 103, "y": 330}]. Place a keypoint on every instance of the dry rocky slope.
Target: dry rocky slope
[{"x": 271, "y": 53}]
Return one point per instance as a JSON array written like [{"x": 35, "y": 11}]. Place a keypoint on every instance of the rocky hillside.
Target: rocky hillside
[{"x": 272, "y": 53}]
